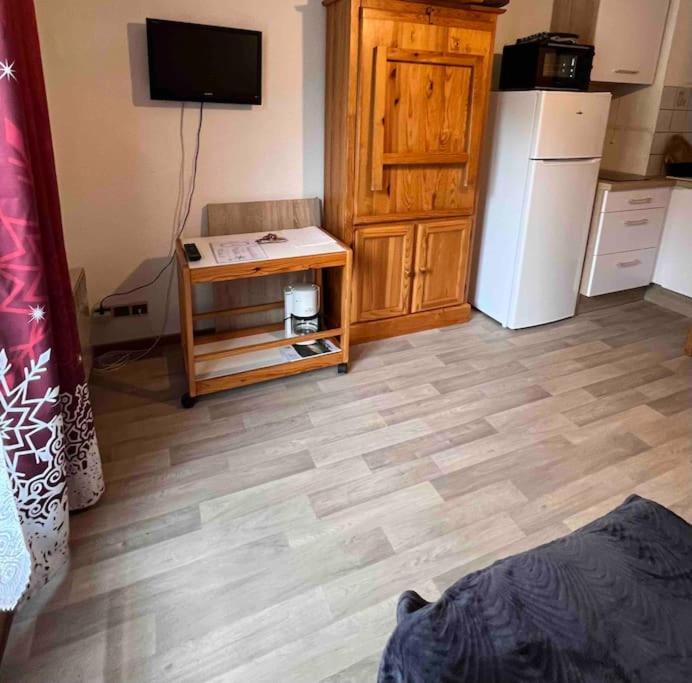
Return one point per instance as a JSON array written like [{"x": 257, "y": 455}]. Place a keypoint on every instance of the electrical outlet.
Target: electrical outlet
[
  {"x": 102, "y": 312},
  {"x": 121, "y": 311}
]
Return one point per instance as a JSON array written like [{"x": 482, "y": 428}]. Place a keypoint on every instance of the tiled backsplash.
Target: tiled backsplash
[{"x": 674, "y": 118}]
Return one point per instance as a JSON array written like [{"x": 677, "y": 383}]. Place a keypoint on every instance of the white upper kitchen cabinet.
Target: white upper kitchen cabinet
[{"x": 627, "y": 35}]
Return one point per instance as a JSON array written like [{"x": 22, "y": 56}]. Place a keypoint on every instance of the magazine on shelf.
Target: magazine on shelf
[{"x": 320, "y": 347}]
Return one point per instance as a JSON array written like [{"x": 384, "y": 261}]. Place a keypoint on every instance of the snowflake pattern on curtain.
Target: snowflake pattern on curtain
[
  {"x": 46, "y": 422},
  {"x": 14, "y": 555}
]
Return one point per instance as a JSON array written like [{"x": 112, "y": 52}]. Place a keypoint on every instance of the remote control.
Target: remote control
[{"x": 192, "y": 252}]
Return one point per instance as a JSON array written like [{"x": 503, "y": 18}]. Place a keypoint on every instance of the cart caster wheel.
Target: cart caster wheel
[
  {"x": 343, "y": 369},
  {"x": 187, "y": 401}
]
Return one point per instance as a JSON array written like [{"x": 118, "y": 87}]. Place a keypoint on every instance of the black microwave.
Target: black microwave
[{"x": 547, "y": 62}]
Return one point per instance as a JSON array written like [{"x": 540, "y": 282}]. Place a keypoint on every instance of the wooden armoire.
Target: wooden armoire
[{"x": 407, "y": 92}]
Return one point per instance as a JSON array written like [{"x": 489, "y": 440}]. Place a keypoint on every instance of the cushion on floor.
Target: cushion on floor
[{"x": 610, "y": 602}]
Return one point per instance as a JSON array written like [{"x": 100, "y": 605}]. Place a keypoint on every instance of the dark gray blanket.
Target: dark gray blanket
[{"x": 610, "y": 602}]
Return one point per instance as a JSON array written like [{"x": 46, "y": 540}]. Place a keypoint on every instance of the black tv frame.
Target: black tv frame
[{"x": 159, "y": 96}]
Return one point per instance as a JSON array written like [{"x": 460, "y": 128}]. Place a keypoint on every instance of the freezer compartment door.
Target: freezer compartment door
[
  {"x": 570, "y": 125},
  {"x": 555, "y": 229}
]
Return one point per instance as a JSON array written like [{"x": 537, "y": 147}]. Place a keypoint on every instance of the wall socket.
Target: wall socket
[{"x": 122, "y": 311}]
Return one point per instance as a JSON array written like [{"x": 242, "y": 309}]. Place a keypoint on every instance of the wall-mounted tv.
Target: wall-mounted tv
[{"x": 197, "y": 63}]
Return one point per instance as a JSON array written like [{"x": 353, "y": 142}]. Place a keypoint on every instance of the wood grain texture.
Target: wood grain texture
[
  {"x": 201, "y": 382},
  {"x": 417, "y": 98},
  {"x": 406, "y": 324},
  {"x": 266, "y": 534},
  {"x": 234, "y": 218},
  {"x": 405, "y": 146},
  {"x": 443, "y": 253},
  {"x": 383, "y": 272}
]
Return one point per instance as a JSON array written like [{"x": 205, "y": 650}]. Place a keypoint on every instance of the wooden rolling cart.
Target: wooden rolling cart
[{"x": 216, "y": 362}]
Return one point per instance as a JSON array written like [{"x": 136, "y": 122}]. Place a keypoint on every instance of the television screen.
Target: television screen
[{"x": 196, "y": 63}]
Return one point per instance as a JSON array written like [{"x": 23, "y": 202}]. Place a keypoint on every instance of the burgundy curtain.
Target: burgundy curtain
[{"x": 46, "y": 423}]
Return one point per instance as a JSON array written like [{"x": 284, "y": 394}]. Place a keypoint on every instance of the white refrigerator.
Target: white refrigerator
[{"x": 545, "y": 155}]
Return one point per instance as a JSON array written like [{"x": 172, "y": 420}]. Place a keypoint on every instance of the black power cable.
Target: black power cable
[
  {"x": 169, "y": 263},
  {"x": 114, "y": 360}
]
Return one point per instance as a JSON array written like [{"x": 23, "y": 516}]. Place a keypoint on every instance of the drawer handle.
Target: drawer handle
[
  {"x": 643, "y": 221},
  {"x": 629, "y": 264},
  {"x": 627, "y": 71},
  {"x": 643, "y": 200}
]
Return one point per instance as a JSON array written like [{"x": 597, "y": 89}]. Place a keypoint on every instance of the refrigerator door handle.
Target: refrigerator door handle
[{"x": 560, "y": 162}]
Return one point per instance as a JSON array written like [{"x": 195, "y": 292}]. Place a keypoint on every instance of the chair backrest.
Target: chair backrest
[
  {"x": 284, "y": 214},
  {"x": 270, "y": 216}
]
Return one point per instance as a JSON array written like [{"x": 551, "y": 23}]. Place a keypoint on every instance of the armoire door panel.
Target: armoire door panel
[
  {"x": 383, "y": 264},
  {"x": 421, "y": 112},
  {"x": 441, "y": 264},
  {"x": 427, "y": 106}
]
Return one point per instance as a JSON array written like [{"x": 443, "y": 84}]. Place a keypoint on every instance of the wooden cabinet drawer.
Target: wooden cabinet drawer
[
  {"x": 632, "y": 200},
  {"x": 629, "y": 230},
  {"x": 616, "y": 272}
]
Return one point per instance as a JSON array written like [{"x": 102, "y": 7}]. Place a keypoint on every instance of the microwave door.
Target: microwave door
[
  {"x": 563, "y": 69},
  {"x": 560, "y": 67}
]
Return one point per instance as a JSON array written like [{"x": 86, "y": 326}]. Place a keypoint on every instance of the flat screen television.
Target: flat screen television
[{"x": 197, "y": 63}]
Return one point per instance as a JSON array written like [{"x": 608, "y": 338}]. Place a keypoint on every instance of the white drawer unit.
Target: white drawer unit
[
  {"x": 626, "y": 231},
  {"x": 617, "y": 272},
  {"x": 629, "y": 230},
  {"x": 632, "y": 200}
]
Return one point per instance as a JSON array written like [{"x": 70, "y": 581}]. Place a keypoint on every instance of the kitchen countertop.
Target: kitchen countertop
[
  {"x": 616, "y": 181},
  {"x": 682, "y": 182}
]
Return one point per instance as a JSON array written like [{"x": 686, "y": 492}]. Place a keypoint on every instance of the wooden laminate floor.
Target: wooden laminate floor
[{"x": 266, "y": 534}]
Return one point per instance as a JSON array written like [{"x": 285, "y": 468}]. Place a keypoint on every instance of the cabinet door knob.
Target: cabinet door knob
[
  {"x": 629, "y": 264},
  {"x": 643, "y": 200},
  {"x": 627, "y": 71},
  {"x": 643, "y": 221},
  {"x": 422, "y": 270}
]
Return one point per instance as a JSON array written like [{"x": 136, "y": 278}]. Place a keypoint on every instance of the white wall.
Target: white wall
[
  {"x": 117, "y": 152},
  {"x": 522, "y": 18}
]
